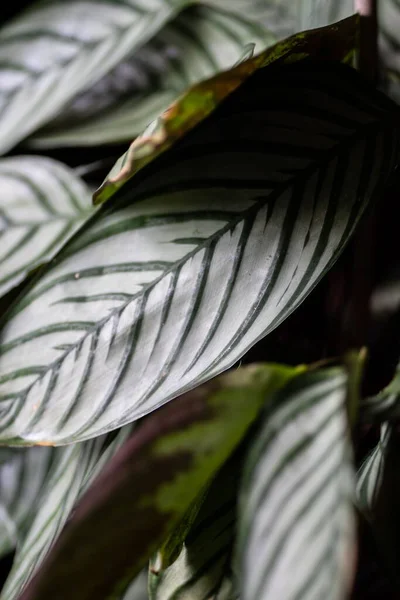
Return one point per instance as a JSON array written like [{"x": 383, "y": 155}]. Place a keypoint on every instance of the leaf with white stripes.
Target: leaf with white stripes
[
  {"x": 73, "y": 468},
  {"x": 205, "y": 554},
  {"x": 43, "y": 203},
  {"x": 385, "y": 406},
  {"x": 334, "y": 43},
  {"x": 296, "y": 521},
  {"x": 145, "y": 490},
  {"x": 200, "y": 42},
  {"x": 200, "y": 255},
  {"x": 23, "y": 472},
  {"x": 54, "y": 50},
  {"x": 369, "y": 476}
]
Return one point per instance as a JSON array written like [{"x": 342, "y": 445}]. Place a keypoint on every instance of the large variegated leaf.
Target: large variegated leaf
[
  {"x": 149, "y": 485},
  {"x": 55, "y": 50},
  {"x": 198, "y": 257},
  {"x": 73, "y": 469},
  {"x": 42, "y": 204},
  {"x": 296, "y": 522},
  {"x": 334, "y": 43},
  {"x": 23, "y": 472},
  {"x": 205, "y": 554},
  {"x": 197, "y": 44}
]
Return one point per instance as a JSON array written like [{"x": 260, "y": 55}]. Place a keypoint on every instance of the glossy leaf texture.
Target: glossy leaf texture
[
  {"x": 200, "y": 42},
  {"x": 23, "y": 472},
  {"x": 296, "y": 504},
  {"x": 204, "y": 557},
  {"x": 73, "y": 468},
  {"x": 43, "y": 203},
  {"x": 337, "y": 43},
  {"x": 149, "y": 485},
  {"x": 389, "y": 37},
  {"x": 200, "y": 255},
  {"x": 49, "y": 54}
]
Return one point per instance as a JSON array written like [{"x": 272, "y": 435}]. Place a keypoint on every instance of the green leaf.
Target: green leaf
[
  {"x": 23, "y": 472},
  {"x": 53, "y": 51},
  {"x": 43, "y": 204},
  {"x": 337, "y": 42},
  {"x": 198, "y": 257},
  {"x": 296, "y": 521},
  {"x": 204, "y": 554},
  {"x": 149, "y": 485},
  {"x": 197, "y": 44},
  {"x": 72, "y": 470}
]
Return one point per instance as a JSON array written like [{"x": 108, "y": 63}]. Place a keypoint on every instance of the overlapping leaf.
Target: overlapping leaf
[
  {"x": 296, "y": 522},
  {"x": 149, "y": 485},
  {"x": 385, "y": 406},
  {"x": 197, "y": 44},
  {"x": 203, "y": 253},
  {"x": 43, "y": 203},
  {"x": 72, "y": 470},
  {"x": 51, "y": 52},
  {"x": 205, "y": 554},
  {"x": 22, "y": 475},
  {"x": 337, "y": 43}
]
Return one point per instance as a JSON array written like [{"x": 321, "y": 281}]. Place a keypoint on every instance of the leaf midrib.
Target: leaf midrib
[{"x": 329, "y": 154}]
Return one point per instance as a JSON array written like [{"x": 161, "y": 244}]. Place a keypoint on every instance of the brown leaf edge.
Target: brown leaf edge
[{"x": 337, "y": 42}]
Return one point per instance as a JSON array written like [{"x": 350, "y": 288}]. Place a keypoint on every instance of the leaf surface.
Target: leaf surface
[
  {"x": 200, "y": 255},
  {"x": 43, "y": 204},
  {"x": 200, "y": 42},
  {"x": 72, "y": 470},
  {"x": 51, "y": 52},
  {"x": 336, "y": 42},
  {"x": 23, "y": 472},
  {"x": 149, "y": 485},
  {"x": 296, "y": 521}
]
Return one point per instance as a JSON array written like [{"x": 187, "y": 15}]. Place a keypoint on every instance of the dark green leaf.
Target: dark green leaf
[{"x": 149, "y": 485}]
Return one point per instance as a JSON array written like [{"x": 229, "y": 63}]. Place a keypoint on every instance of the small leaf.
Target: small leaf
[
  {"x": 204, "y": 556},
  {"x": 369, "y": 476},
  {"x": 72, "y": 470},
  {"x": 43, "y": 204},
  {"x": 50, "y": 54},
  {"x": 335, "y": 43},
  {"x": 296, "y": 521},
  {"x": 149, "y": 485},
  {"x": 385, "y": 406},
  {"x": 23, "y": 472},
  {"x": 197, "y": 44},
  {"x": 379, "y": 494},
  {"x": 203, "y": 253}
]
